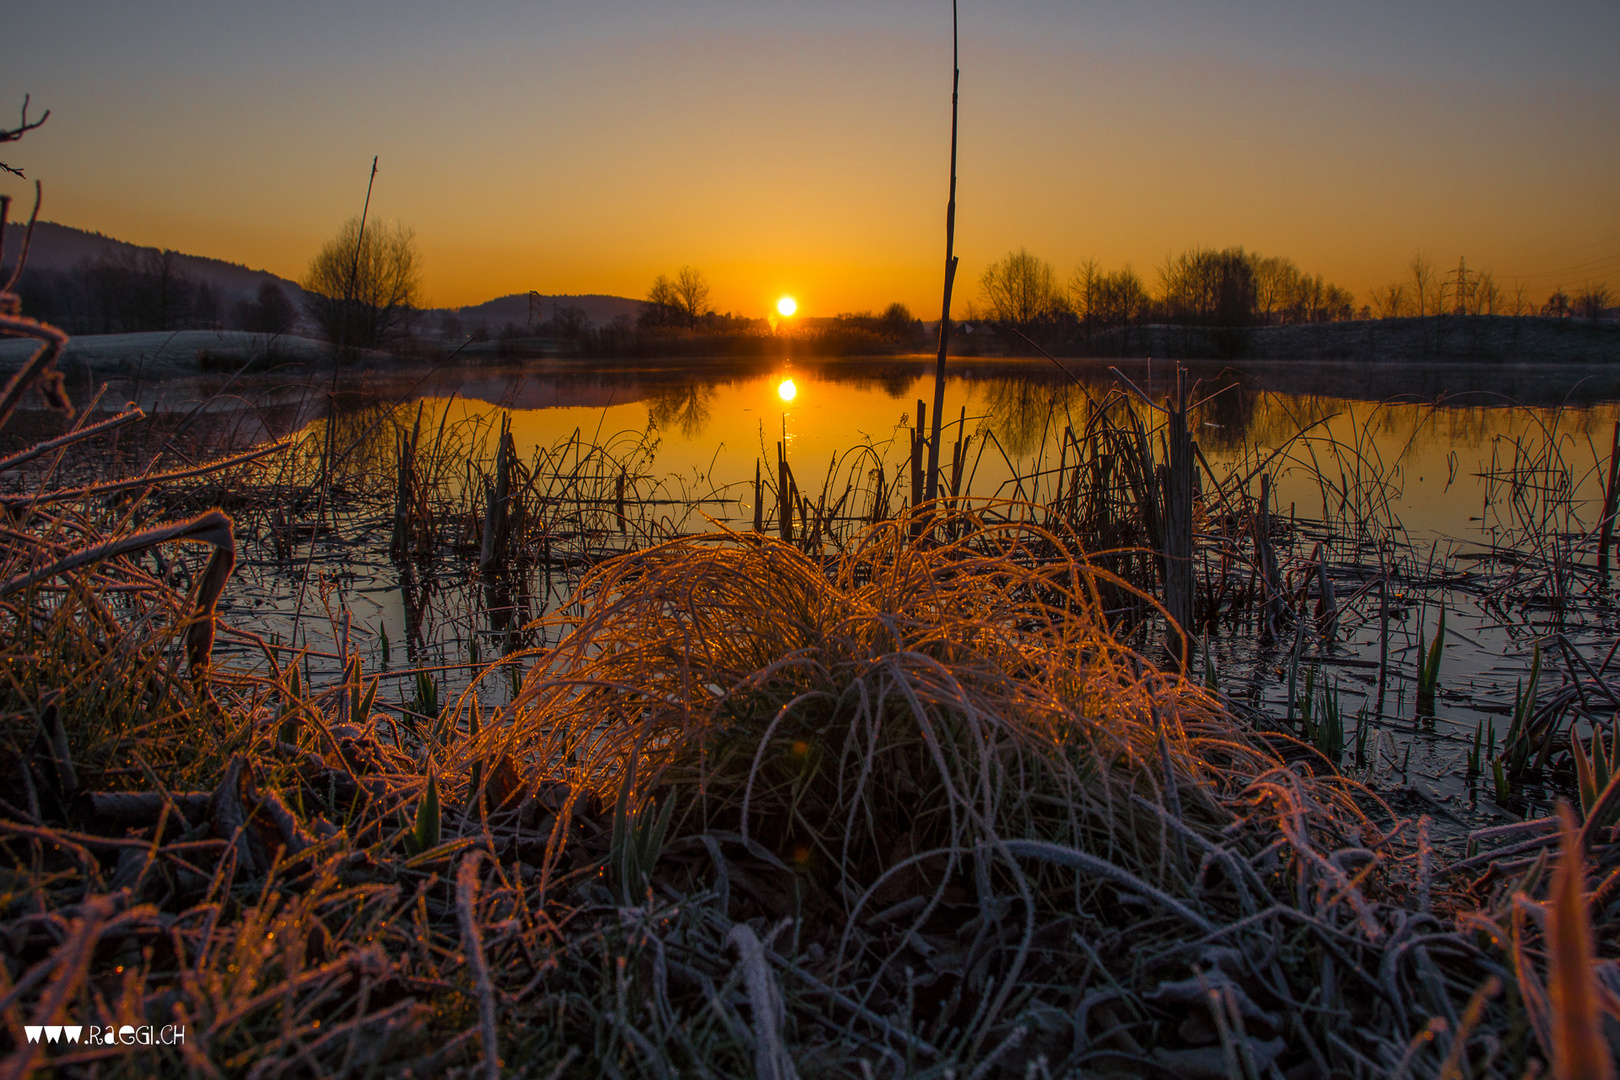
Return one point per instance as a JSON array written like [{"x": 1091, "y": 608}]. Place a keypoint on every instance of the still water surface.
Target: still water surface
[{"x": 1443, "y": 463}]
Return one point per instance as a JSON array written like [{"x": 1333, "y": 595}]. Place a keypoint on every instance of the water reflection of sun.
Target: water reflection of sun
[{"x": 787, "y": 391}]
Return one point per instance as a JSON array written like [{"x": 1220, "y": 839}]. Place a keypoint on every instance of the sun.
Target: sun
[
  {"x": 787, "y": 306},
  {"x": 787, "y": 391}
]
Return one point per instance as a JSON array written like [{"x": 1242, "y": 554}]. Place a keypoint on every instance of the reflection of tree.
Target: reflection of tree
[
  {"x": 895, "y": 380},
  {"x": 1227, "y": 411},
  {"x": 1020, "y": 410},
  {"x": 686, "y": 405}
]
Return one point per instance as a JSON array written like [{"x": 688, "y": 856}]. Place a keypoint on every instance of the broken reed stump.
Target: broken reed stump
[
  {"x": 784, "y": 496},
  {"x": 618, "y": 499},
  {"x": 1327, "y": 604},
  {"x": 919, "y": 448},
  {"x": 1266, "y": 556},
  {"x": 1610, "y": 494},
  {"x": 1177, "y": 484},
  {"x": 759, "y": 500},
  {"x": 405, "y": 492},
  {"x": 959, "y": 455},
  {"x": 917, "y": 443},
  {"x": 1383, "y": 638},
  {"x": 813, "y": 517},
  {"x": 498, "y": 508}
]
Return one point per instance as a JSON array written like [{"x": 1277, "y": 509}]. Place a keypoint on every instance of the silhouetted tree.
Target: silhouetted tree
[
  {"x": 1209, "y": 288},
  {"x": 570, "y": 322},
  {"x": 169, "y": 292},
  {"x": 1083, "y": 292},
  {"x": 659, "y": 307},
  {"x": 898, "y": 323},
  {"x": 1212, "y": 290},
  {"x": 205, "y": 306},
  {"x": 1592, "y": 301},
  {"x": 1021, "y": 289},
  {"x": 362, "y": 291},
  {"x": 1557, "y": 305},
  {"x": 691, "y": 295},
  {"x": 1426, "y": 290},
  {"x": 1519, "y": 302},
  {"x": 1390, "y": 301},
  {"x": 1122, "y": 298},
  {"x": 269, "y": 313}
]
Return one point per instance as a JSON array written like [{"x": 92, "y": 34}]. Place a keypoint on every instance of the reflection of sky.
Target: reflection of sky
[{"x": 1425, "y": 461}]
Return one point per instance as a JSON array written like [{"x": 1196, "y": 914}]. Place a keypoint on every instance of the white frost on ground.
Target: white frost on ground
[{"x": 170, "y": 353}]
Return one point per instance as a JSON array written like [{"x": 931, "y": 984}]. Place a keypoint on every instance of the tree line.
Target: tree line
[
  {"x": 1427, "y": 291},
  {"x": 144, "y": 290},
  {"x": 363, "y": 290},
  {"x": 360, "y": 291},
  {"x": 1203, "y": 287}
]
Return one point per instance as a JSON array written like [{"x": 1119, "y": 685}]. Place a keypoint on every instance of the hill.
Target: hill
[
  {"x": 59, "y": 250},
  {"x": 63, "y": 248},
  {"x": 600, "y": 309}
]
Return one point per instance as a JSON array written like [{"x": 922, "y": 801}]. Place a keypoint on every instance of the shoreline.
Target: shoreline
[{"x": 1580, "y": 369}]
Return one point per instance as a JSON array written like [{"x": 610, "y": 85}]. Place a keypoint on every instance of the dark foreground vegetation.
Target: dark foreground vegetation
[{"x": 873, "y": 788}]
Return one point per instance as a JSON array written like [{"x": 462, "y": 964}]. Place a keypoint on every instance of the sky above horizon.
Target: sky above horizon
[{"x": 802, "y": 149}]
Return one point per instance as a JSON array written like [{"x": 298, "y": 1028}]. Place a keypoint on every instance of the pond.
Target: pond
[{"x": 1479, "y": 488}]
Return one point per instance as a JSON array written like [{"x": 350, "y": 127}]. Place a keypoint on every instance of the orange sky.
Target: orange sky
[{"x": 780, "y": 151}]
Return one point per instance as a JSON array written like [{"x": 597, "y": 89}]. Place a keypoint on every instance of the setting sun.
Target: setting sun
[
  {"x": 787, "y": 391},
  {"x": 787, "y": 306}
]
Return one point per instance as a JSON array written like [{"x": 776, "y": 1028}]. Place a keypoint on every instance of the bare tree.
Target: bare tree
[
  {"x": 660, "y": 307},
  {"x": 22, "y": 128},
  {"x": 1425, "y": 287},
  {"x": 1519, "y": 300},
  {"x": 1021, "y": 289},
  {"x": 171, "y": 290},
  {"x": 1274, "y": 280},
  {"x": 1591, "y": 301},
  {"x": 361, "y": 291},
  {"x": 1084, "y": 287},
  {"x": 1206, "y": 287},
  {"x": 1390, "y": 301},
  {"x": 1122, "y": 299},
  {"x": 691, "y": 293},
  {"x": 1487, "y": 294},
  {"x": 570, "y": 322}
]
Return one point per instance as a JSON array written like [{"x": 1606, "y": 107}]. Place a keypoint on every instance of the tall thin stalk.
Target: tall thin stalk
[
  {"x": 331, "y": 399},
  {"x": 931, "y": 489}
]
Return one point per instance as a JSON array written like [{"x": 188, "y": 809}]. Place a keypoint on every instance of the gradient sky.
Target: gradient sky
[{"x": 801, "y": 148}]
